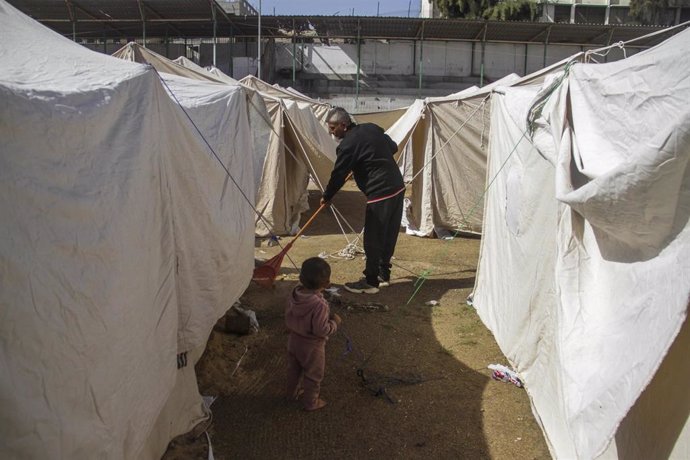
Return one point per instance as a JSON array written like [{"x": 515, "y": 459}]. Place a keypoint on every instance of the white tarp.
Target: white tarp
[
  {"x": 123, "y": 242},
  {"x": 584, "y": 270}
]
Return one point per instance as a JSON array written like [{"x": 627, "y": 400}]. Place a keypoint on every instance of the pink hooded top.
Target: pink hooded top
[{"x": 307, "y": 315}]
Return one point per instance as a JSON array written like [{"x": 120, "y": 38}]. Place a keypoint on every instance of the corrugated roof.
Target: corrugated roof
[{"x": 194, "y": 19}]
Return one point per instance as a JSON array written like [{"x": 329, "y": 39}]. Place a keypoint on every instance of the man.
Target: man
[{"x": 368, "y": 152}]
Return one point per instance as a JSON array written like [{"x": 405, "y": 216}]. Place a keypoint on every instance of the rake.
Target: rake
[{"x": 265, "y": 274}]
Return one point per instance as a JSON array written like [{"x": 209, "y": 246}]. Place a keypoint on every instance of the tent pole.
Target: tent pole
[
  {"x": 526, "y": 50},
  {"x": 546, "y": 44},
  {"x": 294, "y": 53},
  {"x": 421, "y": 62},
  {"x": 72, "y": 18},
  {"x": 481, "y": 66},
  {"x": 143, "y": 21},
  {"x": 215, "y": 36},
  {"x": 359, "y": 54},
  {"x": 258, "y": 46}
]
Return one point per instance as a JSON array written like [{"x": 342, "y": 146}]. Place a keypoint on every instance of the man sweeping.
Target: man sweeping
[{"x": 367, "y": 152}]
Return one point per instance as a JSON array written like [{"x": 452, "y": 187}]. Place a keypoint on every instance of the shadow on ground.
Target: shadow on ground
[{"x": 427, "y": 392}]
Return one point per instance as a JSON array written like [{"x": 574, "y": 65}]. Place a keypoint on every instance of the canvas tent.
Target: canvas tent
[
  {"x": 442, "y": 149},
  {"x": 211, "y": 104},
  {"x": 291, "y": 144},
  {"x": 124, "y": 241},
  {"x": 384, "y": 118},
  {"x": 184, "y": 62},
  {"x": 584, "y": 270},
  {"x": 442, "y": 153},
  {"x": 300, "y": 148}
]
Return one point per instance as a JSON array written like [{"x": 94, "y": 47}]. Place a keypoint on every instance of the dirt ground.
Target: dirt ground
[{"x": 423, "y": 388}]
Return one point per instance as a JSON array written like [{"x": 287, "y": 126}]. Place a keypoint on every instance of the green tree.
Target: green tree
[
  {"x": 648, "y": 11},
  {"x": 512, "y": 10},
  {"x": 470, "y": 9},
  {"x": 488, "y": 9}
]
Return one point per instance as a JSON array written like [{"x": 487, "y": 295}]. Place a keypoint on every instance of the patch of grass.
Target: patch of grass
[
  {"x": 447, "y": 351},
  {"x": 466, "y": 328}
]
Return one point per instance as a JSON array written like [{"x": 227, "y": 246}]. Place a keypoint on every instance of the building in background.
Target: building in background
[
  {"x": 607, "y": 12},
  {"x": 372, "y": 62},
  {"x": 238, "y": 7},
  {"x": 428, "y": 9}
]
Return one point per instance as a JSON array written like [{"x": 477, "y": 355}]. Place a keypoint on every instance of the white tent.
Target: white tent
[
  {"x": 584, "y": 270},
  {"x": 443, "y": 144},
  {"x": 184, "y": 62},
  {"x": 442, "y": 150},
  {"x": 291, "y": 141},
  {"x": 124, "y": 240},
  {"x": 299, "y": 148},
  {"x": 212, "y": 105}
]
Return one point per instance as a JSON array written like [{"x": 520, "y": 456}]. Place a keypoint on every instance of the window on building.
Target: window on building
[
  {"x": 589, "y": 14},
  {"x": 561, "y": 13},
  {"x": 620, "y": 15},
  {"x": 684, "y": 15}
]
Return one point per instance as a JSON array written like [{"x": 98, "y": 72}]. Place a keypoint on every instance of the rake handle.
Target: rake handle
[{"x": 306, "y": 224}]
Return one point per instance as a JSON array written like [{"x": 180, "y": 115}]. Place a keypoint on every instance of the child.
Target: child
[{"x": 309, "y": 321}]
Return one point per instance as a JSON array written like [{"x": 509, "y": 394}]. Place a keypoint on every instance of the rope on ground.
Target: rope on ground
[
  {"x": 349, "y": 252},
  {"x": 375, "y": 382}
]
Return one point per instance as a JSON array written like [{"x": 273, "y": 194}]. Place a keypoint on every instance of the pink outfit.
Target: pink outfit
[{"x": 307, "y": 317}]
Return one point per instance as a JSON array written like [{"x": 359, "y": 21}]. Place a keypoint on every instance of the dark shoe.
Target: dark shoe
[
  {"x": 361, "y": 287},
  {"x": 318, "y": 404},
  {"x": 384, "y": 282}
]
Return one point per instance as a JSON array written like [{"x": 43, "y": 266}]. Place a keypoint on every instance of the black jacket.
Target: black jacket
[{"x": 368, "y": 152}]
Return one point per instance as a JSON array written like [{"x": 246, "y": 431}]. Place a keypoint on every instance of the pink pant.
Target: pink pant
[{"x": 306, "y": 362}]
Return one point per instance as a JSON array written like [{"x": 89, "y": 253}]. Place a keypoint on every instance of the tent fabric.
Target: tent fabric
[
  {"x": 299, "y": 148},
  {"x": 442, "y": 144},
  {"x": 136, "y": 53},
  {"x": 443, "y": 147},
  {"x": 384, "y": 118},
  {"x": 585, "y": 259},
  {"x": 279, "y": 92},
  {"x": 214, "y": 71},
  {"x": 270, "y": 201},
  {"x": 124, "y": 242}
]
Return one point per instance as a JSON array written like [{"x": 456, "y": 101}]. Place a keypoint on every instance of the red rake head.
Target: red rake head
[{"x": 264, "y": 275}]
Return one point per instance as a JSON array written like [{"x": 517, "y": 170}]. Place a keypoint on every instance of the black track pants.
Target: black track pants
[{"x": 381, "y": 227}]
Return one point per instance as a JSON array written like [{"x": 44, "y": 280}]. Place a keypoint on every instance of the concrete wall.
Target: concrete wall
[
  {"x": 387, "y": 68},
  {"x": 439, "y": 59}
]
